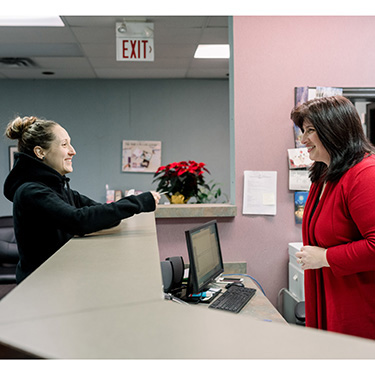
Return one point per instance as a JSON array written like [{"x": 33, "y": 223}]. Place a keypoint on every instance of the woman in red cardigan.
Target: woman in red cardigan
[{"x": 338, "y": 228}]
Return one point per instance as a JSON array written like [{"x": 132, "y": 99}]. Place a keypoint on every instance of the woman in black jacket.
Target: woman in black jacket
[{"x": 47, "y": 214}]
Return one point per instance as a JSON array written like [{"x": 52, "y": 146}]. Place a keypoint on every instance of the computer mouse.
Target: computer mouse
[{"x": 238, "y": 283}]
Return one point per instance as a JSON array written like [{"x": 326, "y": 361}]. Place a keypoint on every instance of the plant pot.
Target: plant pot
[{"x": 178, "y": 198}]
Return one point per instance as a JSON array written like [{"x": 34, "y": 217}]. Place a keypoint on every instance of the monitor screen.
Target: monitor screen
[{"x": 205, "y": 257}]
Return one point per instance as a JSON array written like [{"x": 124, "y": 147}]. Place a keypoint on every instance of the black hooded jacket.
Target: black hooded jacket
[{"x": 47, "y": 214}]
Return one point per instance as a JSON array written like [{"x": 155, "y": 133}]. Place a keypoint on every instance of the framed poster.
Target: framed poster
[
  {"x": 141, "y": 156},
  {"x": 12, "y": 151}
]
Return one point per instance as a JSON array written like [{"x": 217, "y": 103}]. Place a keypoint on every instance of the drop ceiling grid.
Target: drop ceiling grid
[{"x": 85, "y": 48}]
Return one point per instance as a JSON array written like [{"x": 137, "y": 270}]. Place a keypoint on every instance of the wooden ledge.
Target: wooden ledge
[{"x": 195, "y": 210}]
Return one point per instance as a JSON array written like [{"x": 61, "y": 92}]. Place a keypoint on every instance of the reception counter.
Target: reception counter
[{"x": 100, "y": 297}]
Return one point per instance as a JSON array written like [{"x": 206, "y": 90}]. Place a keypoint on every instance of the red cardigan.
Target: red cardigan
[{"x": 341, "y": 298}]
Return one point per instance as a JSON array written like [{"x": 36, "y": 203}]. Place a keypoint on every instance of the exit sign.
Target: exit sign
[{"x": 134, "y": 49}]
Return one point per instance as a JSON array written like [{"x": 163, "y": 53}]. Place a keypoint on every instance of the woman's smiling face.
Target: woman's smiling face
[
  {"x": 59, "y": 155},
  {"x": 315, "y": 148}
]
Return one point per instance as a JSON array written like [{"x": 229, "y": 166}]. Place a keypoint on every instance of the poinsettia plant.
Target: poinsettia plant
[{"x": 181, "y": 179}]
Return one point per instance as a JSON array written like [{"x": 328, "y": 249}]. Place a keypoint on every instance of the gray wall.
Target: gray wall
[{"x": 189, "y": 117}]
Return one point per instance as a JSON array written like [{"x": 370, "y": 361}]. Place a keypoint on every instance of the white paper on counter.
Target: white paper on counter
[{"x": 259, "y": 193}]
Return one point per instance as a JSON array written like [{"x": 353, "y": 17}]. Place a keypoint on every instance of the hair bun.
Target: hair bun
[{"x": 16, "y": 127}]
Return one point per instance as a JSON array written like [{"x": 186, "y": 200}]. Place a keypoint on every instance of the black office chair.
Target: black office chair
[{"x": 8, "y": 251}]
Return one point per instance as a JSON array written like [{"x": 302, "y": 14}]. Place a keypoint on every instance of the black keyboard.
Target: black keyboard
[{"x": 233, "y": 299}]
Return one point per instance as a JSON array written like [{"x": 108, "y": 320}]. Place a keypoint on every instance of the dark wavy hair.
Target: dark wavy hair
[{"x": 339, "y": 128}]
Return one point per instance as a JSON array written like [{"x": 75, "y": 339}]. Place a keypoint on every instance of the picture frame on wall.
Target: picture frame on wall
[{"x": 12, "y": 151}]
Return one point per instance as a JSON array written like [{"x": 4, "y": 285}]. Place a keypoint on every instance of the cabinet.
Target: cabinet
[
  {"x": 295, "y": 292},
  {"x": 296, "y": 275}
]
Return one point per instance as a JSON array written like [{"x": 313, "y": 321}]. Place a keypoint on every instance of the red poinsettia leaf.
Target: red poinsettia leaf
[
  {"x": 160, "y": 169},
  {"x": 192, "y": 168}
]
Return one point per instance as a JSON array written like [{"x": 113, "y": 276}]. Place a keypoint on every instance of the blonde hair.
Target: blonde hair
[{"x": 30, "y": 132}]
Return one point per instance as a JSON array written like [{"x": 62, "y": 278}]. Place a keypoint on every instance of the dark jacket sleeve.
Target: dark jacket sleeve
[
  {"x": 82, "y": 201},
  {"x": 87, "y": 218}
]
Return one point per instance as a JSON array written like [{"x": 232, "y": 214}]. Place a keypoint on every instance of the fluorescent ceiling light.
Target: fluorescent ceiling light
[
  {"x": 42, "y": 21},
  {"x": 212, "y": 51}
]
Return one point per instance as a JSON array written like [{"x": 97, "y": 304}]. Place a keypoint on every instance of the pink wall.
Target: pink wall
[{"x": 272, "y": 55}]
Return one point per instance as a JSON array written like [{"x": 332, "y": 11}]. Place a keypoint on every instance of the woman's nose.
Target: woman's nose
[
  {"x": 72, "y": 150},
  {"x": 304, "y": 138}
]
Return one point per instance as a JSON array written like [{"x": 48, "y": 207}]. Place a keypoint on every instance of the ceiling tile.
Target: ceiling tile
[
  {"x": 62, "y": 62},
  {"x": 23, "y": 35},
  {"x": 37, "y": 49},
  {"x": 99, "y": 50}
]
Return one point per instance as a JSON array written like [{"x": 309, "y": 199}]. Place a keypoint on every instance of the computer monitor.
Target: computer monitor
[{"x": 206, "y": 262}]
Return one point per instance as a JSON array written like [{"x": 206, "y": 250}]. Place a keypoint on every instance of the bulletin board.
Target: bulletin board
[{"x": 141, "y": 156}]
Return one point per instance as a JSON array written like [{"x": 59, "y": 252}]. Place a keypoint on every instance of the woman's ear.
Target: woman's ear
[{"x": 38, "y": 151}]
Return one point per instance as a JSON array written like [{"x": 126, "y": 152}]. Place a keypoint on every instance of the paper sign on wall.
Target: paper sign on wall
[
  {"x": 259, "y": 193},
  {"x": 299, "y": 179}
]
